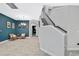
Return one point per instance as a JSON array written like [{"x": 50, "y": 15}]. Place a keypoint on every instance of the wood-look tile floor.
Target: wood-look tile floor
[{"x": 21, "y": 47}]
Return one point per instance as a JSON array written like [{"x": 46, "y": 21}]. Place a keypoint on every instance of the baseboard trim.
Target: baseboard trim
[
  {"x": 3, "y": 41},
  {"x": 73, "y": 49},
  {"x": 49, "y": 53}
]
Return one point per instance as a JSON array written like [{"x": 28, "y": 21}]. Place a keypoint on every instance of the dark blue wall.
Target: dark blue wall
[
  {"x": 6, "y": 31},
  {"x": 3, "y": 27},
  {"x": 20, "y": 30}
]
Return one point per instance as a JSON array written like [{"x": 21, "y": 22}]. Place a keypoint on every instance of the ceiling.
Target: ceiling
[{"x": 25, "y": 11}]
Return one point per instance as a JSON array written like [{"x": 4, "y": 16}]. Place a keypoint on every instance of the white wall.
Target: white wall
[
  {"x": 52, "y": 40},
  {"x": 31, "y": 23},
  {"x": 67, "y": 17}
]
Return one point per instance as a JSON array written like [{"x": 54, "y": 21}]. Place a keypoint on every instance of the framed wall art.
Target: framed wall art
[{"x": 8, "y": 24}]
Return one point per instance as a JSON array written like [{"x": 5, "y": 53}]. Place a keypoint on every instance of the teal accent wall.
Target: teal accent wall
[
  {"x": 20, "y": 30},
  {"x": 4, "y": 31}
]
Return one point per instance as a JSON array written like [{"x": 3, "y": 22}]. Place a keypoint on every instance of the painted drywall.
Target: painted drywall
[
  {"x": 52, "y": 40},
  {"x": 4, "y": 31},
  {"x": 20, "y": 30},
  {"x": 35, "y": 23},
  {"x": 67, "y": 17}
]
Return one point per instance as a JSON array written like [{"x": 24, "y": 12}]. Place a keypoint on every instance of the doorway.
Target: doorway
[{"x": 33, "y": 30}]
